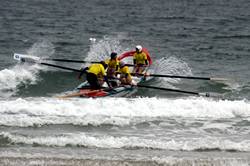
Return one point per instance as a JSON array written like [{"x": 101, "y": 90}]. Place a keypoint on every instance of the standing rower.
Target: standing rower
[{"x": 141, "y": 58}]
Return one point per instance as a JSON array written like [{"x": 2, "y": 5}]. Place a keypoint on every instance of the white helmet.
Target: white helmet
[
  {"x": 122, "y": 64},
  {"x": 139, "y": 48}
]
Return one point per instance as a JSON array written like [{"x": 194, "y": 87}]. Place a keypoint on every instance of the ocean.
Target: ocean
[{"x": 203, "y": 38}]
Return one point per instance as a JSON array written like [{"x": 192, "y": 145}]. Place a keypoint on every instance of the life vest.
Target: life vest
[
  {"x": 97, "y": 69},
  {"x": 140, "y": 58},
  {"x": 112, "y": 63},
  {"x": 125, "y": 71}
]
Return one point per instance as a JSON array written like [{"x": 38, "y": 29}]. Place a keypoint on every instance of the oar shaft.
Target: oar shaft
[
  {"x": 186, "y": 77},
  {"x": 60, "y": 67},
  {"x": 167, "y": 89},
  {"x": 71, "y": 60},
  {"x": 77, "y": 61},
  {"x": 175, "y": 76}
]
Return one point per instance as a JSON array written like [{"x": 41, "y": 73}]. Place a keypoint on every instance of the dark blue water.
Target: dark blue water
[{"x": 209, "y": 38}]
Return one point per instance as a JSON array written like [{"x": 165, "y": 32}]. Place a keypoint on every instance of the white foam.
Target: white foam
[
  {"x": 107, "y": 141},
  {"x": 19, "y": 74},
  {"x": 116, "y": 111}
]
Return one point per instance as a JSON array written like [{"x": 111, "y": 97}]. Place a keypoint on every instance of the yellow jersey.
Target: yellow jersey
[
  {"x": 140, "y": 58},
  {"x": 112, "y": 63},
  {"x": 125, "y": 71},
  {"x": 97, "y": 69}
]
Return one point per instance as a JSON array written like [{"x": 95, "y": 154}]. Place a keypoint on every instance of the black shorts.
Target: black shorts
[{"x": 93, "y": 81}]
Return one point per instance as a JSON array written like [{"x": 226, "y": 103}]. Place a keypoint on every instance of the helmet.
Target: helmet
[
  {"x": 122, "y": 64},
  {"x": 113, "y": 55},
  {"x": 139, "y": 48},
  {"x": 104, "y": 64}
]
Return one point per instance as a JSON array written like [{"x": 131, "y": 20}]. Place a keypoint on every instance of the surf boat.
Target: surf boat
[{"x": 84, "y": 90}]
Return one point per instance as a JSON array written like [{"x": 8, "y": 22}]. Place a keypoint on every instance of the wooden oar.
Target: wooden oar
[
  {"x": 185, "y": 77},
  {"x": 174, "y": 90}
]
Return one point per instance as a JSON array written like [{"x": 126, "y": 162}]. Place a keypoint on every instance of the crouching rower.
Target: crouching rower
[
  {"x": 95, "y": 74},
  {"x": 125, "y": 76}
]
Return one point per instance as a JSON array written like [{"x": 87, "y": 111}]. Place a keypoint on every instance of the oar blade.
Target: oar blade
[
  {"x": 204, "y": 94},
  {"x": 218, "y": 79},
  {"x": 26, "y": 58}
]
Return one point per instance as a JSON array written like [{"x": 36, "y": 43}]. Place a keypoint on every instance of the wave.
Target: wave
[
  {"x": 53, "y": 159},
  {"x": 26, "y": 112},
  {"x": 127, "y": 142}
]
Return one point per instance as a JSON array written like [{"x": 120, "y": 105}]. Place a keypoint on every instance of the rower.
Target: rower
[
  {"x": 113, "y": 66},
  {"x": 140, "y": 60},
  {"x": 125, "y": 76},
  {"x": 95, "y": 75}
]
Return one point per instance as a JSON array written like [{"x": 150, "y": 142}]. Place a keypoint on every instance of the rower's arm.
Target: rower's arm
[
  {"x": 117, "y": 67},
  {"x": 82, "y": 72},
  {"x": 134, "y": 61},
  {"x": 107, "y": 81}
]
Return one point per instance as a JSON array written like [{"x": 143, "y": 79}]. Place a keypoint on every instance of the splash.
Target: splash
[
  {"x": 24, "y": 74},
  {"x": 43, "y": 48},
  {"x": 172, "y": 66},
  {"x": 10, "y": 79},
  {"x": 101, "y": 49}
]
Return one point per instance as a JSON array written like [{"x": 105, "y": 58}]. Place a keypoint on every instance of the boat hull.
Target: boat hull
[{"x": 120, "y": 91}]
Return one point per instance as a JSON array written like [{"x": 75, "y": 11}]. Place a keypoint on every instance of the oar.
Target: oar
[
  {"x": 174, "y": 90},
  {"x": 60, "y": 67},
  {"x": 34, "y": 59},
  {"x": 185, "y": 77},
  {"x": 28, "y": 58},
  {"x": 70, "y": 60},
  {"x": 79, "y": 61}
]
